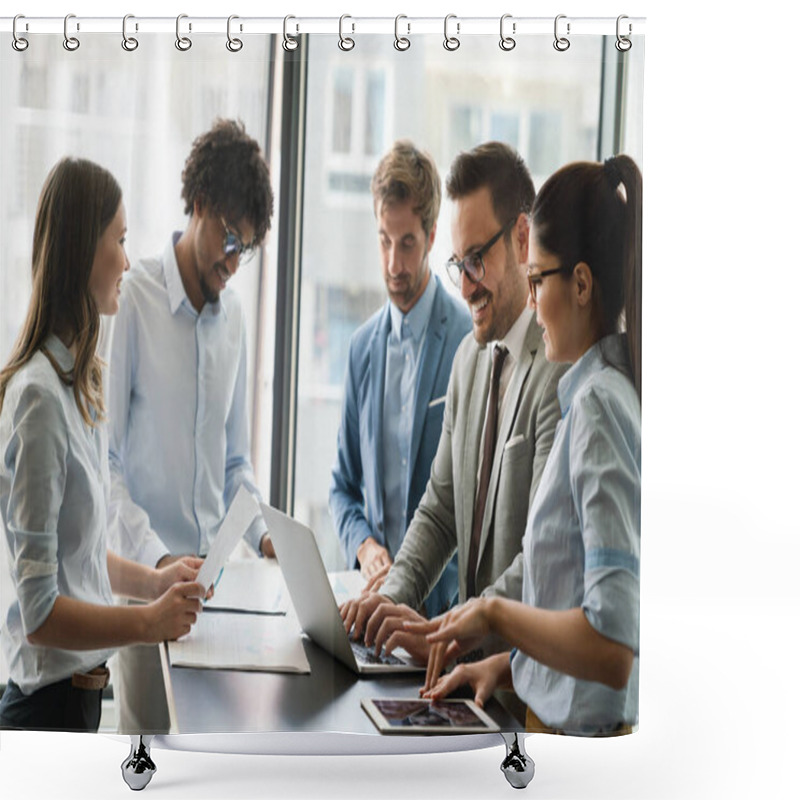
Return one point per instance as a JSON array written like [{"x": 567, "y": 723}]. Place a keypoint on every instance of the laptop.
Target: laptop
[{"x": 314, "y": 601}]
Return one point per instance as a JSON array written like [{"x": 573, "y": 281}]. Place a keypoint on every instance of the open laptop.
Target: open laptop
[{"x": 314, "y": 600}]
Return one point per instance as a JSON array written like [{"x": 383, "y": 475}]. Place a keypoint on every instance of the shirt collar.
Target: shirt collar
[
  {"x": 417, "y": 318},
  {"x": 514, "y": 340},
  {"x": 609, "y": 351},
  {"x": 175, "y": 289},
  {"x": 59, "y": 351}
]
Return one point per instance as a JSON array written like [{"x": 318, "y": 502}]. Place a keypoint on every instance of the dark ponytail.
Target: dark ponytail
[{"x": 592, "y": 212}]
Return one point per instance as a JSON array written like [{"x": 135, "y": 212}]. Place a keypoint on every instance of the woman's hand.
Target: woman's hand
[
  {"x": 483, "y": 676},
  {"x": 174, "y": 613},
  {"x": 458, "y": 631},
  {"x": 180, "y": 570}
]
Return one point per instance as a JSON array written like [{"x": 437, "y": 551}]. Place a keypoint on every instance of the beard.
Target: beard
[{"x": 211, "y": 293}]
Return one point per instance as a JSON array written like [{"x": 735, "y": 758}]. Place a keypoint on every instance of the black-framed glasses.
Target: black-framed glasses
[
  {"x": 535, "y": 279},
  {"x": 232, "y": 244},
  {"x": 472, "y": 263}
]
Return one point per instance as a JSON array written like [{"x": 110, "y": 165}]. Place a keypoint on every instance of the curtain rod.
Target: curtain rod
[{"x": 348, "y": 25}]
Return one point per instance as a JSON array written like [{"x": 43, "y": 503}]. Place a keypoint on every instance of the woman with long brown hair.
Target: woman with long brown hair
[
  {"x": 54, "y": 480},
  {"x": 576, "y": 631}
]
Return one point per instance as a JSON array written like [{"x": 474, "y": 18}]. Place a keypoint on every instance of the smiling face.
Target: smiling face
[
  {"x": 496, "y": 301},
  {"x": 563, "y": 306},
  {"x": 404, "y": 249},
  {"x": 110, "y": 262},
  {"x": 213, "y": 268}
]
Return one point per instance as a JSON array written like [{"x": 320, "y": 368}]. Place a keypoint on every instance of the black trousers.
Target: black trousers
[{"x": 57, "y": 707}]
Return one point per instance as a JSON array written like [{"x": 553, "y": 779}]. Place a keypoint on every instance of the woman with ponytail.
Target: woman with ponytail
[
  {"x": 575, "y": 634},
  {"x": 54, "y": 478}
]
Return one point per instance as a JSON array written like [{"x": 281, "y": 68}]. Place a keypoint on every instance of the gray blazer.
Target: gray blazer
[{"x": 442, "y": 523}]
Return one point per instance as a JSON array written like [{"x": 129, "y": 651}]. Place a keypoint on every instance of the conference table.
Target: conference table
[
  {"x": 326, "y": 700},
  {"x": 319, "y": 713}
]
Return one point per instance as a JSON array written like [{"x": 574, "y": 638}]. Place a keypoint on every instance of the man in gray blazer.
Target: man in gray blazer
[{"x": 492, "y": 194}]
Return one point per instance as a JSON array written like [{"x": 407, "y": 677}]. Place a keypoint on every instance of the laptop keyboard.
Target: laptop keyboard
[{"x": 367, "y": 655}]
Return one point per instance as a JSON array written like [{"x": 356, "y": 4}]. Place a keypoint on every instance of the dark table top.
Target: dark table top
[{"x": 328, "y": 699}]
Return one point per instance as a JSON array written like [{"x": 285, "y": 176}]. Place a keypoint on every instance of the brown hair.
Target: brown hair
[
  {"x": 78, "y": 201},
  {"x": 406, "y": 173},
  {"x": 501, "y": 169},
  {"x": 592, "y": 212},
  {"x": 226, "y": 173}
]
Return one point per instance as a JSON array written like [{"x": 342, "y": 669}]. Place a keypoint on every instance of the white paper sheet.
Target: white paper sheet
[
  {"x": 255, "y": 585},
  {"x": 346, "y": 585},
  {"x": 241, "y": 641},
  {"x": 241, "y": 513}
]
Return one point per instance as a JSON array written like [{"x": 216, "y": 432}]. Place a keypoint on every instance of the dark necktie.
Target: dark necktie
[{"x": 489, "y": 440}]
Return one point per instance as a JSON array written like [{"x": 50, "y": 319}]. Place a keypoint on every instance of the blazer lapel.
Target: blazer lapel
[
  {"x": 471, "y": 447},
  {"x": 512, "y": 400},
  {"x": 427, "y": 371},
  {"x": 377, "y": 378}
]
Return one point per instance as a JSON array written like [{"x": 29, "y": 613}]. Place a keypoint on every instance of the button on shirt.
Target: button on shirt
[
  {"x": 179, "y": 438},
  {"x": 403, "y": 348},
  {"x": 582, "y": 540},
  {"x": 53, "y": 499}
]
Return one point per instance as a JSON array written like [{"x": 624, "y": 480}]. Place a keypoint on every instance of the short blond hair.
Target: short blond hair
[{"x": 406, "y": 173}]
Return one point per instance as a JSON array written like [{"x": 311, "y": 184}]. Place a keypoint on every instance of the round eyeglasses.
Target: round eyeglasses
[
  {"x": 472, "y": 264},
  {"x": 232, "y": 245}
]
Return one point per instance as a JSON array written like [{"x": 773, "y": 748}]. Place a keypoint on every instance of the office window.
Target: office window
[
  {"x": 136, "y": 117},
  {"x": 358, "y": 103}
]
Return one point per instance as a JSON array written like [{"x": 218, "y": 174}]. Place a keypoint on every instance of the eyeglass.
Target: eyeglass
[
  {"x": 232, "y": 245},
  {"x": 472, "y": 263},
  {"x": 535, "y": 279}
]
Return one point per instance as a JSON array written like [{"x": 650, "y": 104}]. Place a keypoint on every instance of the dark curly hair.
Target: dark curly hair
[{"x": 227, "y": 173}]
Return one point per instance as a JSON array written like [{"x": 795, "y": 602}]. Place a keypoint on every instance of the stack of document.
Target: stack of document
[{"x": 241, "y": 641}]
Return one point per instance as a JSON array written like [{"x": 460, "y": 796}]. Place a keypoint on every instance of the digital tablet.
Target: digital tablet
[{"x": 425, "y": 716}]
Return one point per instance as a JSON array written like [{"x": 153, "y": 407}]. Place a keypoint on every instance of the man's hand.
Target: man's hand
[
  {"x": 373, "y": 557},
  {"x": 385, "y": 629},
  {"x": 355, "y": 613},
  {"x": 266, "y": 546},
  {"x": 377, "y": 580}
]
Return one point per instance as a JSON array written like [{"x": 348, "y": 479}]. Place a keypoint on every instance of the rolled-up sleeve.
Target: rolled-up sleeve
[
  {"x": 605, "y": 451},
  {"x": 36, "y": 459}
]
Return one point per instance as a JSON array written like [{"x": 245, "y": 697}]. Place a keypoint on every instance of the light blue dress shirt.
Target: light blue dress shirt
[
  {"x": 582, "y": 542},
  {"x": 54, "y": 486},
  {"x": 403, "y": 347},
  {"x": 179, "y": 439}
]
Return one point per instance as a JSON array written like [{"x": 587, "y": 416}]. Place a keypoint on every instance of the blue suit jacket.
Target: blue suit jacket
[{"x": 356, "y": 495}]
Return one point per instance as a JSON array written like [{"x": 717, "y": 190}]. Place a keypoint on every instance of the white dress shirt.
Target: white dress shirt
[{"x": 179, "y": 438}]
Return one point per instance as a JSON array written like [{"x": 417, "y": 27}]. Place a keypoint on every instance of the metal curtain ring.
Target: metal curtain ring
[
  {"x": 561, "y": 43},
  {"x": 346, "y": 43},
  {"x": 183, "y": 43},
  {"x": 70, "y": 42},
  {"x": 129, "y": 43},
  {"x": 289, "y": 42},
  {"x": 623, "y": 43},
  {"x": 18, "y": 43},
  {"x": 401, "y": 42},
  {"x": 234, "y": 45},
  {"x": 507, "y": 42},
  {"x": 451, "y": 42}
]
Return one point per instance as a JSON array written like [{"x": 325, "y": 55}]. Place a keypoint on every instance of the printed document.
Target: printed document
[
  {"x": 242, "y": 512},
  {"x": 241, "y": 641}
]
